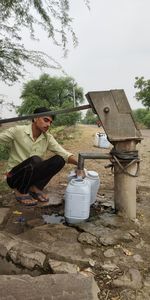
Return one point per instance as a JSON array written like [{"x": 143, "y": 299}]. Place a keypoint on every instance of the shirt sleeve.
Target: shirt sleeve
[
  {"x": 55, "y": 147},
  {"x": 7, "y": 135}
]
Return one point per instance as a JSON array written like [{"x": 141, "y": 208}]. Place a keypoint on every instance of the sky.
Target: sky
[{"x": 114, "y": 48}]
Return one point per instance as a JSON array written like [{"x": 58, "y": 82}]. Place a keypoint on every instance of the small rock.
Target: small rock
[
  {"x": 107, "y": 241},
  {"x": 137, "y": 258},
  {"x": 59, "y": 267},
  {"x": 131, "y": 280},
  {"x": 109, "y": 253},
  {"x": 110, "y": 267},
  {"x": 27, "y": 256},
  {"x": 89, "y": 251},
  {"x": 92, "y": 262},
  {"x": 87, "y": 238}
]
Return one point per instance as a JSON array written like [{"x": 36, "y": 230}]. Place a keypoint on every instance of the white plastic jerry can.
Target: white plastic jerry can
[
  {"x": 71, "y": 175},
  {"x": 94, "y": 180},
  {"x": 96, "y": 139},
  {"x": 77, "y": 200},
  {"x": 103, "y": 141}
]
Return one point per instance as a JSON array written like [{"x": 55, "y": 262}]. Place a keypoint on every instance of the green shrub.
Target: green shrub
[
  {"x": 147, "y": 120},
  {"x": 142, "y": 116},
  {"x": 4, "y": 152},
  {"x": 90, "y": 117}
]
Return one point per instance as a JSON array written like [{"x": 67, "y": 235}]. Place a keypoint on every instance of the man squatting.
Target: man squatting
[{"x": 28, "y": 173}]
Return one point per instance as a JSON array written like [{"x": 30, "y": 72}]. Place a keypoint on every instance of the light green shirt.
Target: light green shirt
[{"x": 23, "y": 146}]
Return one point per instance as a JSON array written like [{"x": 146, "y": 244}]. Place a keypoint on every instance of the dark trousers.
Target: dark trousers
[{"x": 34, "y": 171}]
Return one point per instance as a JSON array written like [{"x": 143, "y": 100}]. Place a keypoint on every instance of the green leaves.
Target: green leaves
[
  {"x": 90, "y": 117},
  {"x": 52, "y": 16},
  {"x": 52, "y": 92},
  {"x": 142, "y": 116},
  {"x": 143, "y": 93}
]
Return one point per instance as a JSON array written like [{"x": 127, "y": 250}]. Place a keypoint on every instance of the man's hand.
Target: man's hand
[{"x": 72, "y": 160}]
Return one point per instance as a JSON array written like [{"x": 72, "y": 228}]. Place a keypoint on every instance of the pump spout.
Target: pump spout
[{"x": 83, "y": 156}]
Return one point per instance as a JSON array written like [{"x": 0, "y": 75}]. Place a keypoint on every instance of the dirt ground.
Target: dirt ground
[{"x": 81, "y": 139}]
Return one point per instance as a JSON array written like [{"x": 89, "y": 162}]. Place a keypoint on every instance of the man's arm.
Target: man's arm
[
  {"x": 69, "y": 157},
  {"x": 7, "y": 135}
]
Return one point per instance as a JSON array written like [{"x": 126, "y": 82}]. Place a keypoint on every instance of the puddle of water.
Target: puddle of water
[{"x": 53, "y": 219}]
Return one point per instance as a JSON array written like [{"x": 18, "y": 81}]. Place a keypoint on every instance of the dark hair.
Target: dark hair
[{"x": 43, "y": 109}]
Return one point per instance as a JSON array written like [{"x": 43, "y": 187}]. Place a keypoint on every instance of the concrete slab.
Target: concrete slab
[
  {"x": 48, "y": 287},
  {"x": 59, "y": 241}
]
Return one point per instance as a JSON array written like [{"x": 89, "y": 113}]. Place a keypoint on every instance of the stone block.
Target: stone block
[{"x": 48, "y": 287}]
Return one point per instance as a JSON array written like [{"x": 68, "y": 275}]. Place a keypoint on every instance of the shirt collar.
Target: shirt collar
[{"x": 28, "y": 130}]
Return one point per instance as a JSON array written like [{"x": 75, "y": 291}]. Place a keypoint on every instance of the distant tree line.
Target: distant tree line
[
  {"x": 63, "y": 92},
  {"x": 142, "y": 115},
  {"x": 55, "y": 93}
]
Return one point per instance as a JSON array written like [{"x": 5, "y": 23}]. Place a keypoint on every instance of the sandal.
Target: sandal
[
  {"x": 26, "y": 200},
  {"x": 39, "y": 196}
]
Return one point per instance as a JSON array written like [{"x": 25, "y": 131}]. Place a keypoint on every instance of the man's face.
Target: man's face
[{"x": 43, "y": 123}]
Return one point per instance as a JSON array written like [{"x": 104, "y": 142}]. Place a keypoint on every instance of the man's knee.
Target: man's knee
[
  {"x": 35, "y": 159},
  {"x": 60, "y": 160}
]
